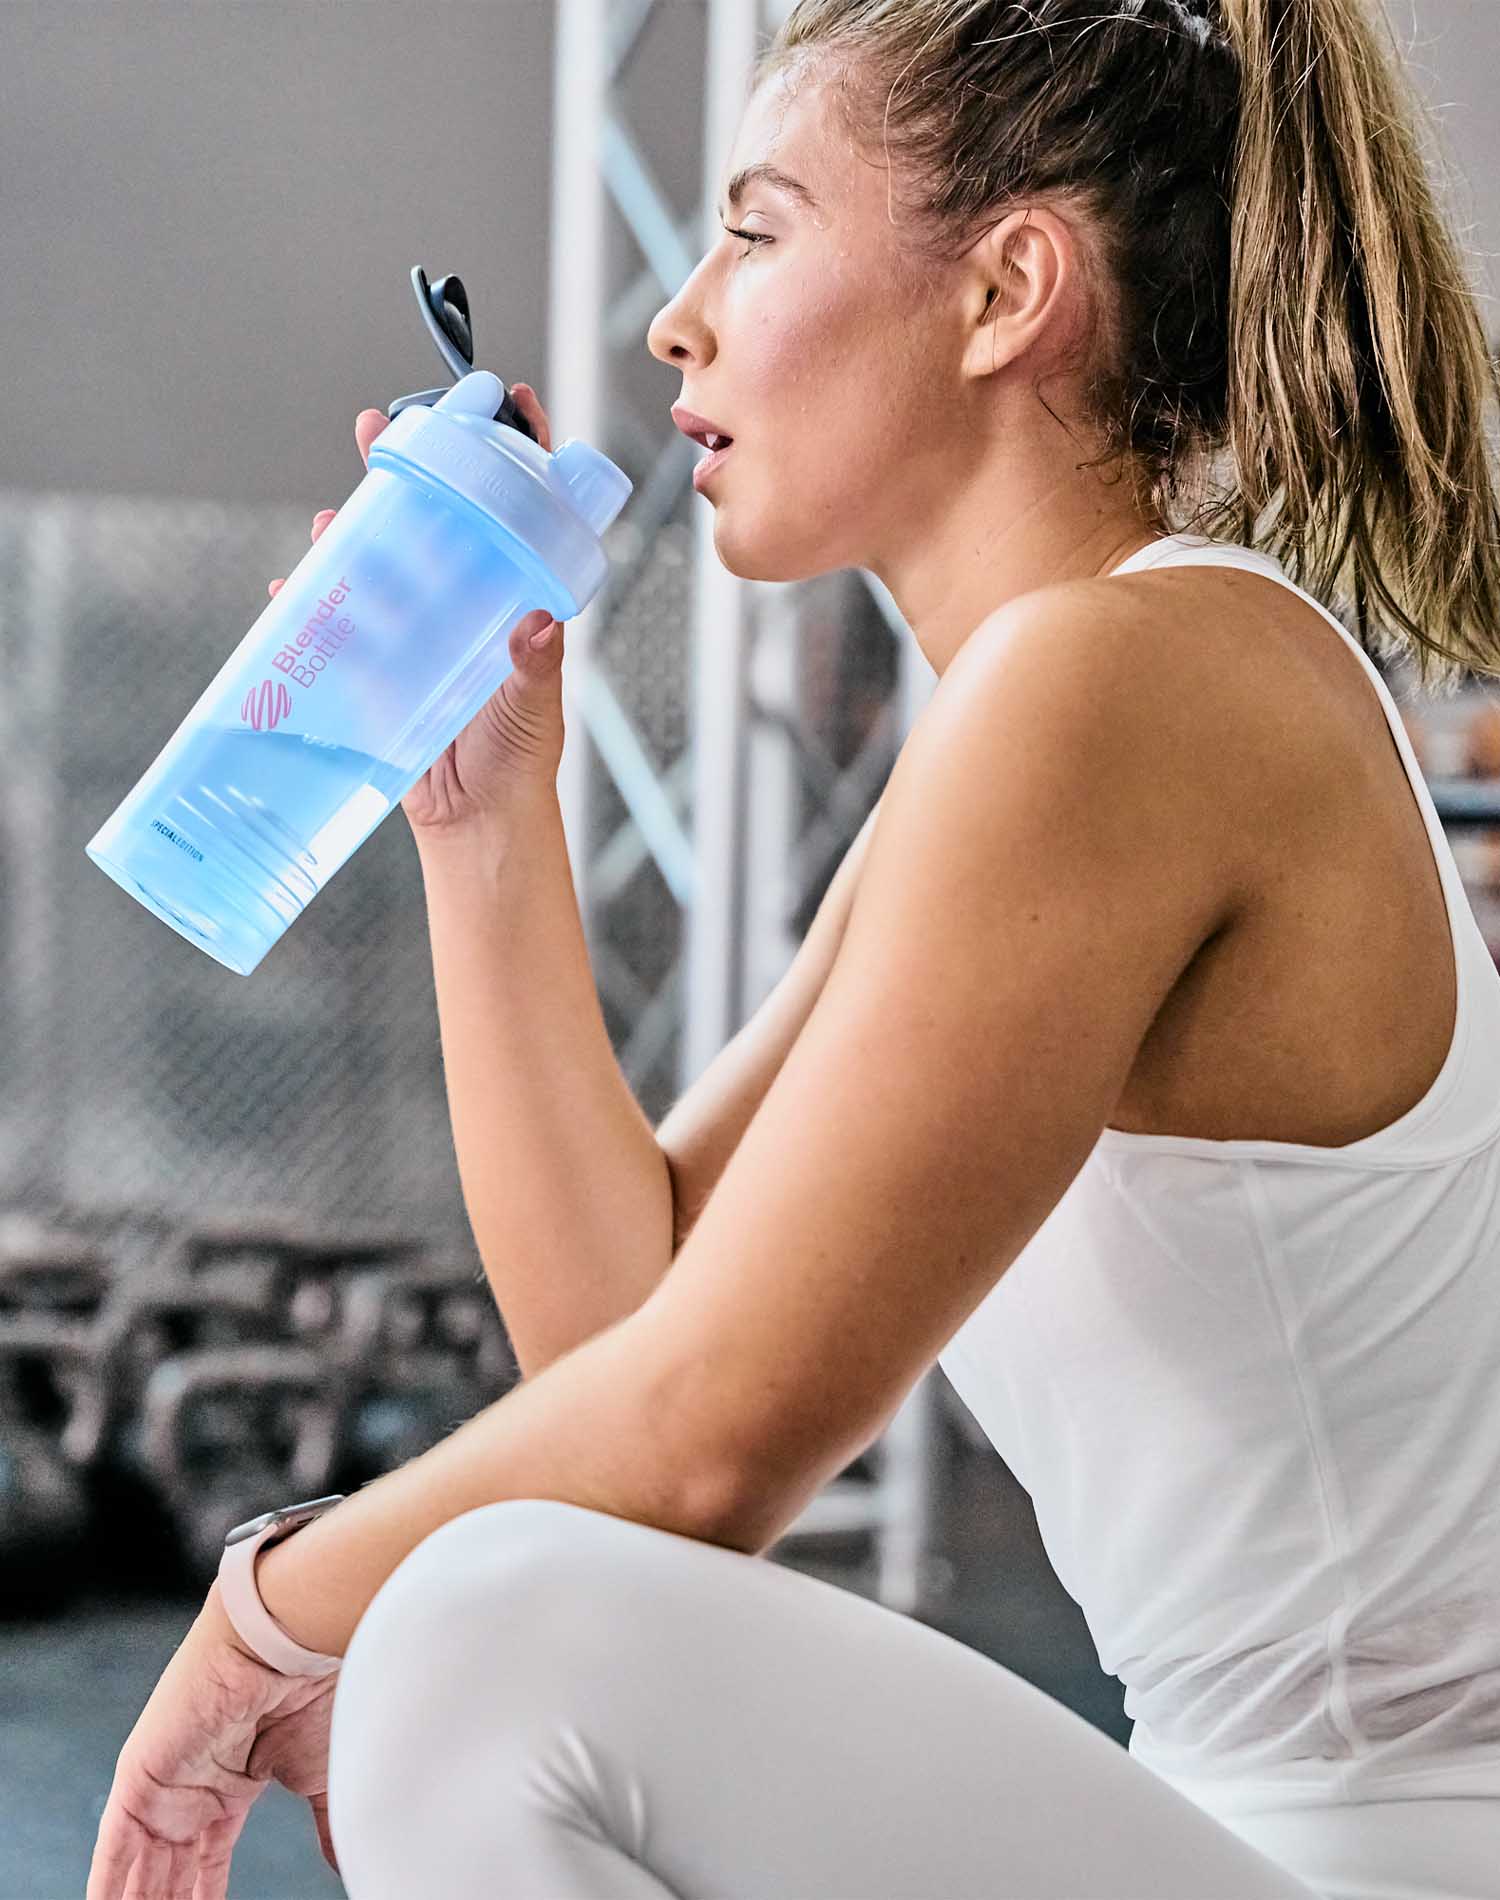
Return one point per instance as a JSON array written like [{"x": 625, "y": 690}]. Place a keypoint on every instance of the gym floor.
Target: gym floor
[{"x": 72, "y": 1686}]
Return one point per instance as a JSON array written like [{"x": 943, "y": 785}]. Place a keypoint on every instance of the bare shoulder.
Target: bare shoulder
[
  {"x": 1143, "y": 653},
  {"x": 1178, "y": 681},
  {"x": 1176, "y": 623},
  {"x": 1288, "y": 705}
]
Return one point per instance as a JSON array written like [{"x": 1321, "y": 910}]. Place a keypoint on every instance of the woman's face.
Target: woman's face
[{"x": 825, "y": 350}]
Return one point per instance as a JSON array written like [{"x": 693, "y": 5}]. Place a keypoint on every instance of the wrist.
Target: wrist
[
  {"x": 242, "y": 1582},
  {"x": 488, "y": 837},
  {"x": 216, "y": 1622}
]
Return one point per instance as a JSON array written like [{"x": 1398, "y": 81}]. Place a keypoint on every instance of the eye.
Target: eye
[{"x": 750, "y": 237}]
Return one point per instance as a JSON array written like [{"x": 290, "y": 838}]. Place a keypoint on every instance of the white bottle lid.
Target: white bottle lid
[{"x": 550, "y": 509}]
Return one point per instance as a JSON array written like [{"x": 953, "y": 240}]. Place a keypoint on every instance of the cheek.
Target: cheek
[
  {"x": 839, "y": 371},
  {"x": 806, "y": 329},
  {"x": 831, "y": 355}
]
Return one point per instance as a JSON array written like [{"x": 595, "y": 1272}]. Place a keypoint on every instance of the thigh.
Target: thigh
[
  {"x": 547, "y": 1701},
  {"x": 1441, "y": 1849}
]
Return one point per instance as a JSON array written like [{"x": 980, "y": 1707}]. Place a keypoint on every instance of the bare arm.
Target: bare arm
[
  {"x": 576, "y": 1206},
  {"x": 567, "y": 1192},
  {"x": 704, "y": 1127}
]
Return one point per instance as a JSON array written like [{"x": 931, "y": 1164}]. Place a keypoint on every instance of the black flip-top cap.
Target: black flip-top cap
[{"x": 445, "y": 311}]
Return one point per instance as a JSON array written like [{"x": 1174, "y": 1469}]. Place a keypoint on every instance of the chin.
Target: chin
[{"x": 765, "y": 557}]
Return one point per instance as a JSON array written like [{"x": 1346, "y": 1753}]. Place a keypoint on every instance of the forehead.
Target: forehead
[{"x": 787, "y": 132}]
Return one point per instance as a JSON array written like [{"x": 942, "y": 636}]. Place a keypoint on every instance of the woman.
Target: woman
[{"x": 1150, "y": 1084}]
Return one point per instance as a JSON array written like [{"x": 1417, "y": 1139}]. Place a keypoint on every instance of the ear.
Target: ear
[{"x": 1024, "y": 285}]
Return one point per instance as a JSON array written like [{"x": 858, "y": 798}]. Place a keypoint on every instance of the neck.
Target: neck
[{"x": 952, "y": 566}]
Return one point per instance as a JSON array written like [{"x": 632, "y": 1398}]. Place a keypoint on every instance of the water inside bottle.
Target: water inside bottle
[{"x": 220, "y": 856}]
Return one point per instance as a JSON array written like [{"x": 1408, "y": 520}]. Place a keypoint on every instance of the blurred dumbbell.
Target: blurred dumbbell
[
  {"x": 162, "y": 1312},
  {"x": 51, "y": 1383},
  {"x": 316, "y": 1303},
  {"x": 410, "y": 1406},
  {"x": 56, "y": 1275},
  {"x": 52, "y": 1285},
  {"x": 304, "y": 1267},
  {"x": 424, "y": 1350},
  {"x": 44, "y": 1523},
  {"x": 293, "y": 1242},
  {"x": 432, "y": 1305},
  {"x": 232, "y": 1431}
]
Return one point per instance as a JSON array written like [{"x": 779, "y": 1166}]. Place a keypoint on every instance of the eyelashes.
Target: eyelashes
[{"x": 751, "y": 237}]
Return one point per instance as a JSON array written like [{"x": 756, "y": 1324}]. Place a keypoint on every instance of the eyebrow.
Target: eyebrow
[{"x": 768, "y": 175}]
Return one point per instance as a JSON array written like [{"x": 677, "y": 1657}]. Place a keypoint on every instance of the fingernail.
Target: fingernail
[{"x": 540, "y": 638}]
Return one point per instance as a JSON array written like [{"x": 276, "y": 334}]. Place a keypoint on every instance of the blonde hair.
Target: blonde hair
[{"x": 1285, "y": 349}]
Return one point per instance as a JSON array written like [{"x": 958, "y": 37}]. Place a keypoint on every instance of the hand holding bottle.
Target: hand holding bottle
[{"x": 515, "y": 741}]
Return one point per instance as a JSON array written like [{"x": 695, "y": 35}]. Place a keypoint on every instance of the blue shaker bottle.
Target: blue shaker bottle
[{"x": 390, "y": 634}]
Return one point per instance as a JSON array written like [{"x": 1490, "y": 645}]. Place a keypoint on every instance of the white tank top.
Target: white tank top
[{"x": 1253, "y": 1390}]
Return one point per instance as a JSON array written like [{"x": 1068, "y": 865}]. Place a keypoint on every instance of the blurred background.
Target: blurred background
[{"x": 235, "y": 1267}]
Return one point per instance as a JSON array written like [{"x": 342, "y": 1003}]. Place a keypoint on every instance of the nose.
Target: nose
[
  {"x": 665, "y": 338},
  {"x": 678, "y": 336}
]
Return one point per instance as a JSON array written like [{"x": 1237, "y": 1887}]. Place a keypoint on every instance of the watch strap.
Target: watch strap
[{"x": 257, "y": 1628}]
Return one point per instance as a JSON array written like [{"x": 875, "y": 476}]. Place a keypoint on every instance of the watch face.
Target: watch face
[{"x": 291, "y": 1516}]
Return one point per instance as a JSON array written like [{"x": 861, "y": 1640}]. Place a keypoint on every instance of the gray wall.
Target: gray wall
[{"x": 210, "y": 212}]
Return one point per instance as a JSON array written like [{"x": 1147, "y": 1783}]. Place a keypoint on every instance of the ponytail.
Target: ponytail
[{"x": 1360, "y": 375}]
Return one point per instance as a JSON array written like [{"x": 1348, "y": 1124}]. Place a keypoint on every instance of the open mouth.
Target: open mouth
[
  {"x": 704, "y": 470},
  {"x": 710, "y": 440}
]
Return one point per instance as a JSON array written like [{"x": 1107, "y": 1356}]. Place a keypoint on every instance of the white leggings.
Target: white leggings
[{"x": 548, "y": 1703}]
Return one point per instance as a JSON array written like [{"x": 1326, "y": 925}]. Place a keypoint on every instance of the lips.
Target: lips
[
  {"x": 709, "y": 466},
  {"x": 701, "y": 430}
]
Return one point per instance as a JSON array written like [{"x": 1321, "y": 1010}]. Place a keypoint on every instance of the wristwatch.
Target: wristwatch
[{"x": 257, "y": 1628}]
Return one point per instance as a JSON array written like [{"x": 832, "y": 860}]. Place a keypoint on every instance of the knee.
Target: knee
[
  {"x": 498, "y": 1570},
  {"x": 467, "y": 1626},
  {"x": 455, "y": 1662},
  {"x": 467, "y": 1670}
]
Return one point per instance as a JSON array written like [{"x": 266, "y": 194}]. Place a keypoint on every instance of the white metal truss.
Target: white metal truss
[{"x": 735, "y": 869}]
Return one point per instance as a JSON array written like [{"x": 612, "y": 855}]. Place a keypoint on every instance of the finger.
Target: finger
[
  {"x": 530, "y": 406},
  {"x": 114, "y": 1852},
  {"x": 275, "y": 588},
  {"x": 118, "y": 1847},
  {"x": 319, "y": 1806},
  {"x": 321, "y": 520},
  {"x": 215, "y": 1847},
  {"x": 152, "y": 1873},
  {"x": 367, "y": 425},
  {"x": 182, "y": 1871}
]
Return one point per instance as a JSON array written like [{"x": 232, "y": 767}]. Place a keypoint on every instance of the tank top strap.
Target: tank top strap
[{"x": 1458, "y": 1104}]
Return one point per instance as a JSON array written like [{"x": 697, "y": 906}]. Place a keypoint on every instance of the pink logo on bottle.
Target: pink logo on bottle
[{"x": 265, "y": 706}]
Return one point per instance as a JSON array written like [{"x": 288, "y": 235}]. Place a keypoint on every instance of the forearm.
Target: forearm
[
  {"x": 566, "y": 1187},
  {"x": 595, "y": 1429}
]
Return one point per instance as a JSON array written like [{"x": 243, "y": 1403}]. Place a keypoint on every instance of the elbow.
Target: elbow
[
  {"x": 710, "y": 1499},
  {"x": 754, "y": 1512},
  {"x": 715, "y": 1507}
]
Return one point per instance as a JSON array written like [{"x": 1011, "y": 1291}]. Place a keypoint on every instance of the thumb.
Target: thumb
[
  {"x": 319, "y": 1805},
  {"x": 536, "y": 644}
]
